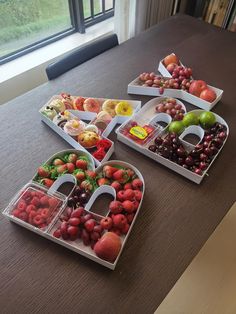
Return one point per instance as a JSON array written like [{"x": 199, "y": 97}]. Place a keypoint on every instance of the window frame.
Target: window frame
[{"x": 78, "y": 24}]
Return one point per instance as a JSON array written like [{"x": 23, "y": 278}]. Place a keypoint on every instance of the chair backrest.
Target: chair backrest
[{"x": 81, "y": 55}]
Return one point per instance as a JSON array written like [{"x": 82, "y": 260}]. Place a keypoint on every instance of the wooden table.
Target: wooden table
[{"x": 177, "y": 216}]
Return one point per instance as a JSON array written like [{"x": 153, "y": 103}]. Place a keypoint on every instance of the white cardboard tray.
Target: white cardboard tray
[
  {"x": 135, "y": 88},
  {"x": 166, "y": 162},
  {"x": 85, "y": 115},
  {"x": 77, "y": 246}
]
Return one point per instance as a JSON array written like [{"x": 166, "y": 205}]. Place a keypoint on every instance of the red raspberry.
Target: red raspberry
[
  {"x": 29, "y": 208},
  {"x": 15, "y": 212},
  {"x": 35, "y": 201},
  {"x": 23, "y": 216},
  {"x": 37, "y": 220},
  {"x": 26, "y": 195},
  {"x": 44, "y": 201},
  {"x": 53, "y": 202},
  {"x": 45, "y": 213},
  {"x": 21, "y": 206},
  {"x": 43, "y": 225}
]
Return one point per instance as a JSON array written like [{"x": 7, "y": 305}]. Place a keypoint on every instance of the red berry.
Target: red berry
[
  {"x": 130, "y": 218},
  {"x": 115, "y": 207},
  {"x": 125, "y": 229},
  {"x": 138, "y": 195},
  {"x": 35, "y": 201},
  {"x": 21, "y": 206},
  {"x": 29, "y": 208},
  {"x": 44, "y": 201},
  {"x": 81, "y": 164},
  {"x": 45, "y": 213},
  {"x": 128, "y": 206},
  {"x": 116, "y": 185},
  {"x": 127, "y": 186},
  {"x": 15, "y": 212},
  {"x": 53, "y": 202},
  {"x": 136, "y": 205},
  {"x": 129, "y": 194},
  {"x": 37, "y": 220},
  {"x": 137, "y": 184},
  {"x": 120, "y": 195}
]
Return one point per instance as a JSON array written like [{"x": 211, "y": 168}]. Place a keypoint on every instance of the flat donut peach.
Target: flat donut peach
[{"x": 92, "y": 105}]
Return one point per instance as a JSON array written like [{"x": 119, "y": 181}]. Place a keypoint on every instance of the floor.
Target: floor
[{"x": 209, "y": 283}]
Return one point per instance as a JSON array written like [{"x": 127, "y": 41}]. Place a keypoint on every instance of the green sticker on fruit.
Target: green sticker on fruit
[{"x": 139, "y": 132}]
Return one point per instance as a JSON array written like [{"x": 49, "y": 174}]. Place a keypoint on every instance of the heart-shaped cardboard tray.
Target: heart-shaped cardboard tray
[
  {"x": 147, "y": 130},
  {"x": 62, "y": 108},
  {"x": 136, "y": 87},
  {"x": 48, "y": 212}
]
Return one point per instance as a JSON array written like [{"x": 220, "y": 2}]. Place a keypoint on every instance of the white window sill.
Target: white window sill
[{"x": 52, "y": 51}]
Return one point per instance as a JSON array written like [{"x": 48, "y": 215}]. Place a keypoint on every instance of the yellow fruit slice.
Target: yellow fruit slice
[{"x": 123, "y": 108}]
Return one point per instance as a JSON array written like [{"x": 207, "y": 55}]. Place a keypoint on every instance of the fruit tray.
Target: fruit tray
[
  {"x": 187, "y": 143},
  {"x": 67, "y": 114},
  {"x": 57, "y": 204},
  {"x": 176, "y": 81}
]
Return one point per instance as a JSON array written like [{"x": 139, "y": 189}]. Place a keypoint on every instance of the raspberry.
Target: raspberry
[
  {"x": 45, "y": 213},
  {"x": 44, "y": 201},
  {"x": 16, "y": 212},
  {"x": 35, "y": 201},
  {"x": 29, "y": 208},
  {"x": 23, "y": 216},
  {"x": 37, "y": 220},
  {"x": 53, "y": 202},
  {"x": 21, "y": 206}
]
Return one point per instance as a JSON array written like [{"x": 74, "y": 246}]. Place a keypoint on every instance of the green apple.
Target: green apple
[
  {"x": 190, "y": 119},
  {"x": 207, "y": 119},
  {"x": 176, "y": 127}
]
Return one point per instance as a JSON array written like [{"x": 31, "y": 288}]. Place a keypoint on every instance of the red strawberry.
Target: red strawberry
[
  {"x": 128, "y": 206},
  {"x": 58, "y": 162},
  {"x": 116, "y": 185},
  {"x": 116, "y": 207},
  {"x": 108, "y": 171},
  {"x": 70, "y": 167},
  {"x": 136, "y": 205},
  {"x": 47, "y": 182},
  {"x": 121, "y": 195},
  {"x": 81, "y": 164},
  {"x": 43, "y": 172},
  {"x": 121, "y": 176},
  {"x": 138, "y": 195},
  {"x": 62, "y": 169},
  {"x": 79, "y": 174},
  {"x": 137, "y": 184},
  {"x": 86, "y": 185},
  {"x": 127, "y": 186},
  {"x": 91, "y": 174},
  {"x": 103, "y": 181},
  {"x": 125, "y": 229},
  {"x": 129, "y": 194},
  {"x": 130, "y": 217}
]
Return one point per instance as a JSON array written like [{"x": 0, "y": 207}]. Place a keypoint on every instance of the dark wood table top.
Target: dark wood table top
[{"x": 177, "y": 216}]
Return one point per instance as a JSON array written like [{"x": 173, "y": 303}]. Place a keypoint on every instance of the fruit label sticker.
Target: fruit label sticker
[{"x": 139, "y": 132}]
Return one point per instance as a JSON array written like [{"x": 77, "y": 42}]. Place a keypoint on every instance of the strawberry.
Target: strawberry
[
  {"x": 57, "y": 162},
  {"x": 86, "y": 185},
  {"x": 43, "y": 172},
  {"x": 70, "y": 167},
  {"x": 127, "y": 186},
  {"x": 121, "y": 176},
  {"x": 62, "y": 169},
  {"x": 47, "y": 182},
  {"x": 91, "y": 174},
  {"x": 108, "y": 171},
  {"x": 116, "y": 185},
  {"x": 79, "y": 174},
  {"x": 72, "y": 158},
  {"x": 103, "y": 181},
  {"x": 137, "y": 184},
  {"x": 81, "y": 164}
]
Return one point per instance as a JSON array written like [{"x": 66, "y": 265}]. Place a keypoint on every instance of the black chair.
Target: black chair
[{"x": 81, "y": 55}]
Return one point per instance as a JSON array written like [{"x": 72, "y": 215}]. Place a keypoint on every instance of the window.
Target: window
[{"x": 26, "y": 25}]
